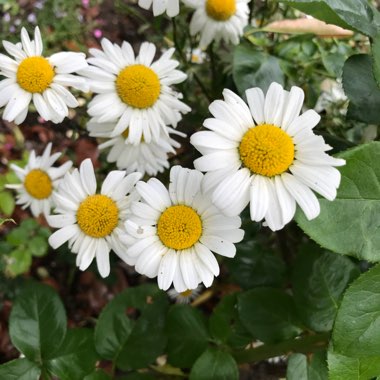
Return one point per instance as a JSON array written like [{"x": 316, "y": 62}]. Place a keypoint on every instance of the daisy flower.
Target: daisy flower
[
  {"x": 30, "y": 77},
  {"x": 218, "y": 20},
  {"x": 160, "y": 6},
  {"x": 39, "y": 181},
  {"x": 265, "y": 154},
  {"x": 144, "y": 157},
  {"x": 92, "y": 223},
  {"x": 171, "y": 233},
  {"x": 187, "y": 296},
  {"x": 135, "y": 91}
]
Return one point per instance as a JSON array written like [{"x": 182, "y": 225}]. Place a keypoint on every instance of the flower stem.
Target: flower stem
[{"x": 304, "y": 344}]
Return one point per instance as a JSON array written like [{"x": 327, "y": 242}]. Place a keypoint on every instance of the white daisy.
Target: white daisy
[
  {"x": 39, "y": 181},
  {"x": 149, "y": 158},
  {"x": 171, "y": 233},
  {"x": 186, "y": 296},
  {"x": 91, "y": 222},
  {"x": 135, "y": 91},
  {"x": 267, "y": 155},
  {"x": 218, "y": 20},
  {"x": 30, "y": 77},
  {"x": 160, "y": 6}
]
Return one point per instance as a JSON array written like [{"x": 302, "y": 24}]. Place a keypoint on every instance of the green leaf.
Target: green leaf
[
  {"x": 345, "y": 368},
  {"x": 38, "y": 246},
  {"x": 37, "y": 324},
  {"x": 357, "y": 326},
  {"x": 319, "y": 280},
  {"x": 114, "y": 327},
  {"x": 98, "y": 374},
  {"x": 147, "y": 339},
  {"x": 361, "y": 89},
  {"x": 76, "y": 358},
  {"x": 350, "y": 14},
  {"x": 215, "y": 365},
  {"x": 19, "y": 369},
  {"x": 187, "y": 335},
  {"x": 302, "y": 367},
  {"x": 7, "y": 202},
  {"x": 253, "y": 266},
  {"x": 18, "y": 262},
  {"x": 17, "y": 236},
  {"x": 252, "y": 68},
  {"x": 350, "y": 224},
  {"x": 268, "y": 314},
  {"x": 376, "y": 58},
  {"x": 224, "y": 323}
]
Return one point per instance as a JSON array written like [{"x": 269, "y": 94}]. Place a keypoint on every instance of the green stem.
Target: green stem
[{"x": 305, "y": 344}]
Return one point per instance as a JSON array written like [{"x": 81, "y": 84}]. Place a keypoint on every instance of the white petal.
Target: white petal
[
  {"x": 167, "y": 268},
  {"x": 219, "y": 245},
  {"x": 293, "y": 106},
  {"x": 286, "y": 201},
  {"x": 259, "y": 198},
  {"x": 274, "y": 102},
  {"x": 102, "y": 257},
  {"x": 87, "y": 176},
  {"x": 207, "y": 258},
  {"x": 157, "y": 198},
  {"x": 186, "y": 263},
  {"x": 255, "y": 98},
  {"x": 63, "y": 235},
  {"x": 59, "y": 221}
]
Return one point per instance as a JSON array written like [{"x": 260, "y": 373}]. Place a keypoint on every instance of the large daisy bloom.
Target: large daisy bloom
[
  {"x": 135, "y": 91},
  {"x": 265, "y": 154},
  {"x": 149, "y": 158},
  {"x": 39, "y": 181},
  {"x": 218, "y": 20},
  {"x": 30, "y": 77},
  {"x": 171, "y": 233},
  {"x": 92, "y": 223},
  {"x": 160, "y": 6}
]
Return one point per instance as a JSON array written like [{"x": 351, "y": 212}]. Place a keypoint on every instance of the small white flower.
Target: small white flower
[
  {"x": 186, "y": 296},
  {"x": 171, "y": 233},
  {"x": 30, "y": 77},
  {"x": 135, "y": 91},
  {"x": 92, "y": 223},
  {"x": 218, "y": 20},
  {"x": 266, "y": 155},
  {"x": 149, "y": 158},
  {"x": 160, "y": 6},
  {"x": 39, "y": 181}
]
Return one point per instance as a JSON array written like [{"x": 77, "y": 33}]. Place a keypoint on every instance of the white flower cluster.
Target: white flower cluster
[{"x": 263, "y": 153}]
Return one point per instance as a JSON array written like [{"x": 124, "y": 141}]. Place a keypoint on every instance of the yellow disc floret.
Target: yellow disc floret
[
  {"x": 38, "y": 184},
  {"x": 179, "y": 227},
  {"x": 138, "y": 86},
  {"x": 186, "y": 293},
  {"x": 34, "y": 74},
  {"x": 266, "y": 150},
  {"x": 220, "y": 10},
  {"x": 97, "y": 216}
]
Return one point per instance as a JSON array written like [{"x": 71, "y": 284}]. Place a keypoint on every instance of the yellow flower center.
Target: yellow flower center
[
  {"x": 38, "y": 184},
  {"x": 266, "y": 150},
  {"x": 34, "y": 74},
  {"x": 179, "y": 227},
  {"x": 97, "y": 216},
  {"x": 138, "y": 86},
  {"x": 186, "y": 293},
  {"x": 220, "y": 10}
]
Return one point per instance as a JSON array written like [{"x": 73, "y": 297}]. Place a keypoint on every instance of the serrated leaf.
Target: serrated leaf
[
  {"x": 252, "y": 68},
  {"x": 361, "y": 89},
  {"x": 319, "y": 280},
  {"x": 268, "y": 314},
  {"x": 254, "y": 266},
  {"x": 350, "y": 224},
  {"x": 7, "y": 202},
  {"x": 76, "y": 357},
  {"x": 114, "y": 327},
  {"x": 214, "y": 365},
  {"x": 352, "y": 14},
  {"x": 38, "y": 246},
  {"x": 187, "y": 335},
  {"x": 147, "y": 339},
  {"x": 302, "y": 367},
  {"x": 19, "y": 369},
  {"x": 345, "y": 368},
  {"x": 357, "y": 326},
  {"x": 18, "y": 262},
  {"x": 37, "y": 323}
]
